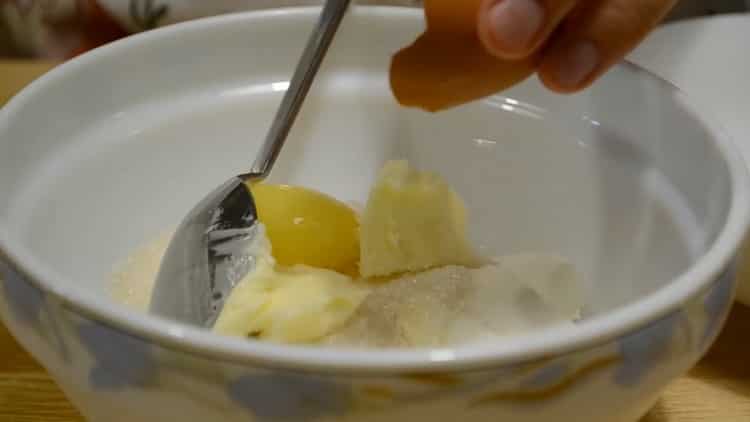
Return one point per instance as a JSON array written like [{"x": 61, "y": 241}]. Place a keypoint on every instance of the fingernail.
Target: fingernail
[
  {"x": 577, "y": 64},
  {"x": 515, "y": 23}
]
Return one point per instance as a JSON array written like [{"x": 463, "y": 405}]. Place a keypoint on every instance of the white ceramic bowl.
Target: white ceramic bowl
[
  {"x": 686, "y": 54},
  {"x": 639, "y": 189}
]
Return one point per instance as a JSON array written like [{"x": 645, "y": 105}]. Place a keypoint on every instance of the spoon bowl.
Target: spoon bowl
[{"x": 208, "y": 255}]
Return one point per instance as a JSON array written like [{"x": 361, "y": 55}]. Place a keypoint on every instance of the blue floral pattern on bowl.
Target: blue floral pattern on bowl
[
  {"x": 717, "y": 303},
  {"x": 642, "y": 350},
  {"x": 25, "y": 301},
  {"x": 28, "y": 305},
  {"x": 121, "y": 361},
  {"x": 289, "y": 397}
]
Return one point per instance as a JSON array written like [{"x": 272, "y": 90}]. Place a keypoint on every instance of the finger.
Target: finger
[
  {"x": 598, "y": 36},
  {"x": 515, "y": 29}
]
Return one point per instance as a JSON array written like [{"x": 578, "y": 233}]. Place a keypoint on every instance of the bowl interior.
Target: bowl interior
[{"x": 113, "y": 148}]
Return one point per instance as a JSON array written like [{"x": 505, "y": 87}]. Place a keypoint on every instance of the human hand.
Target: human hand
[{"x": 576, "y": 40}]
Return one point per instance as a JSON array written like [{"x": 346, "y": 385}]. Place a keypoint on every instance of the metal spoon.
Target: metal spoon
[{"x": 212, "y": 248}]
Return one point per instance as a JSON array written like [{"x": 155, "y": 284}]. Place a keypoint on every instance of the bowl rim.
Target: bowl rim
[{"x": 523, "y": 348}]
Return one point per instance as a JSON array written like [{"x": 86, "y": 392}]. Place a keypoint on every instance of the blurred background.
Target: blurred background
[{"x": 60, "y": 29}]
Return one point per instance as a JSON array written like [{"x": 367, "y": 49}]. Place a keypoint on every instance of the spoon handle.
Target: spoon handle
[{"x": 317, "y": 46}]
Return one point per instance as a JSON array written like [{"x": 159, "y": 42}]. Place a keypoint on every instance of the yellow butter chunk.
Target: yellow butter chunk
[
  {"x": 306, "y": 227},
  {"x": 413, "y": 221},
  {"x": 298, "y": 304}
]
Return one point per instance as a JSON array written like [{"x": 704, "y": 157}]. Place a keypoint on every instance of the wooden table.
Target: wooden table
[{"x": 718, "y": 389}]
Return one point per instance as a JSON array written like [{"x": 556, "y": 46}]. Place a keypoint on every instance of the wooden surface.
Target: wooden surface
[{"x": 718, "y": 389}]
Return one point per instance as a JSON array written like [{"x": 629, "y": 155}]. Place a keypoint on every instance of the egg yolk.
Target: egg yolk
[{"x": 306, "y": 227}]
